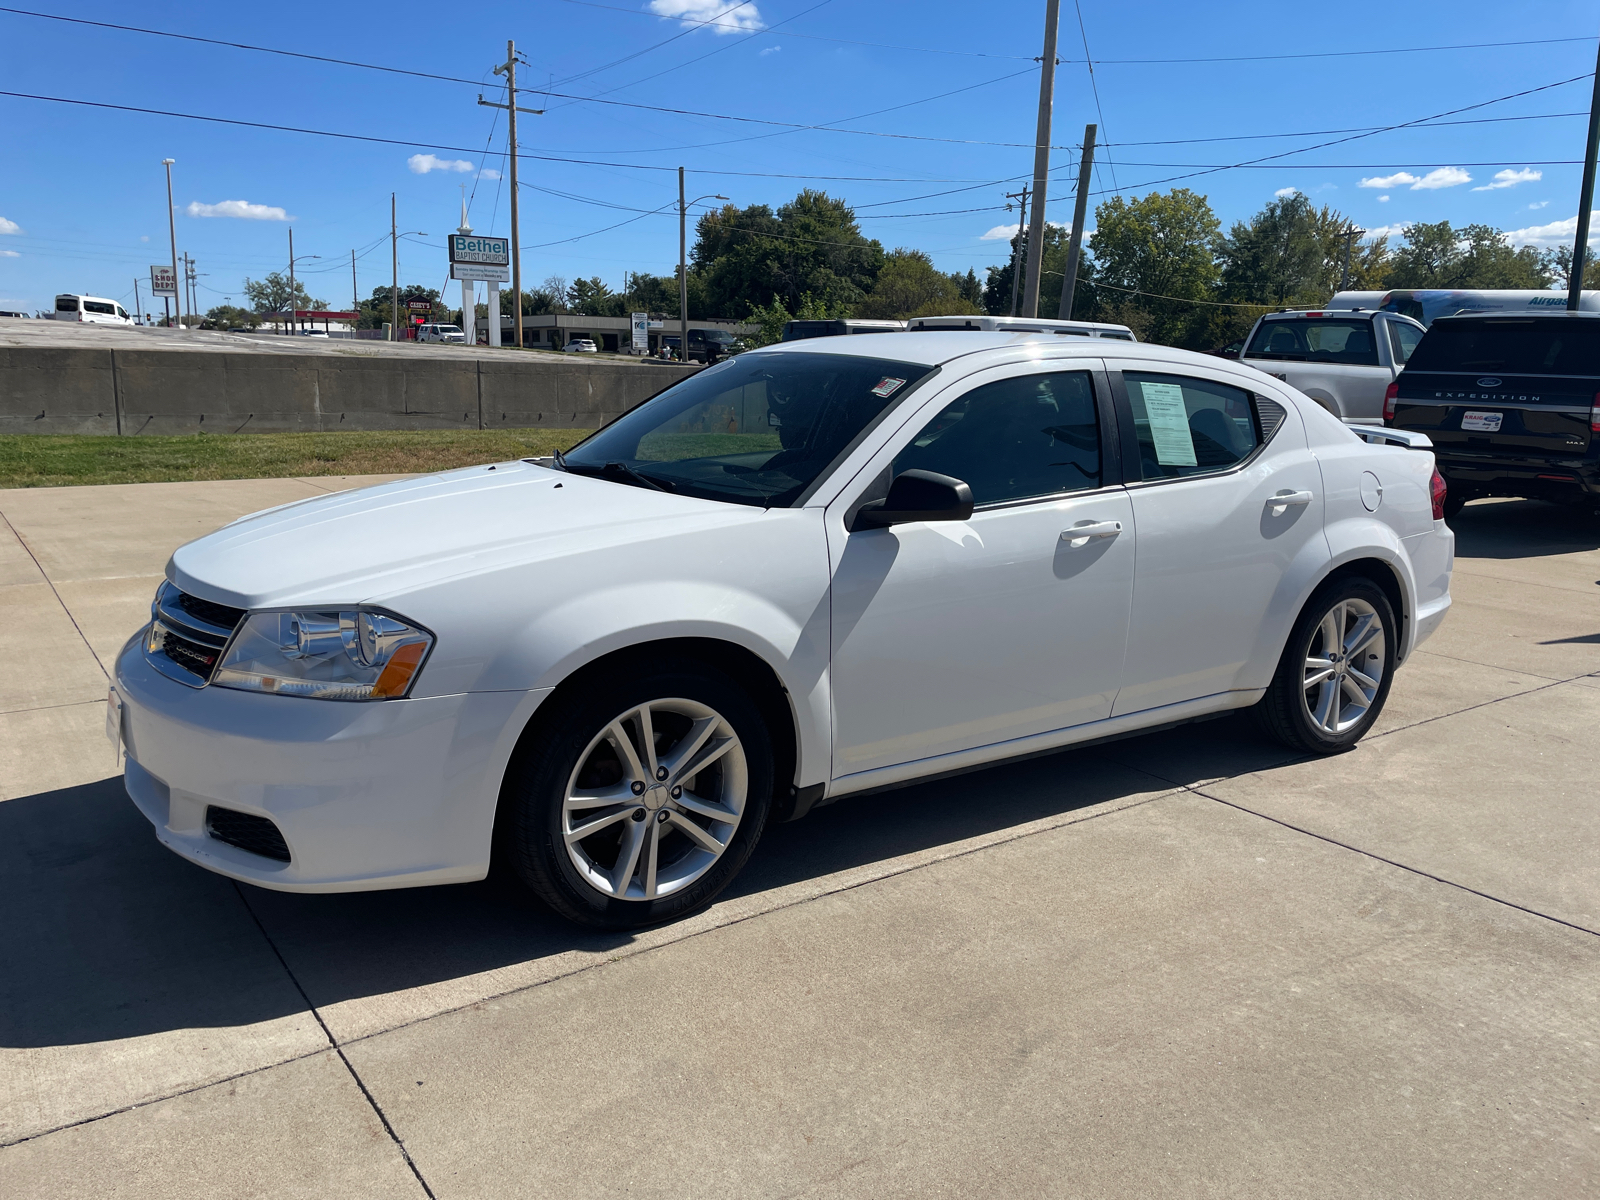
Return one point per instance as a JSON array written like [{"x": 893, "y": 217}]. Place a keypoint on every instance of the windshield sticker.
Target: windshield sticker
[
  {"x": 888, "y": 387},
  {"x": 1169, "y": 424}
]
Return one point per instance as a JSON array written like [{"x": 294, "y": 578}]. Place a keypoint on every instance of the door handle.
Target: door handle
[
  {"x": 1082, "y": 534},
  {"x": 1281, "y": 502}
]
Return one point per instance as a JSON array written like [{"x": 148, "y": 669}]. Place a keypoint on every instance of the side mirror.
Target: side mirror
[{"x": 917, "y": 496}]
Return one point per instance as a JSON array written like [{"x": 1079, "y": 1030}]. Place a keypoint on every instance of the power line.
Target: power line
[
  {"x": 1250, "y": 137},
  {"x": 690, "y": 26},
  {"x": 1094, "y": 87}
]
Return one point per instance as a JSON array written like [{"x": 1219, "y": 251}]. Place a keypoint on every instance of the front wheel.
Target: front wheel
[
  {"x": 1335, "y": 672},
  {"x": 642, "y": 797}
]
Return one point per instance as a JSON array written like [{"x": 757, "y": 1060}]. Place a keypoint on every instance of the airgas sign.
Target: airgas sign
[{"x": 474, "y": 257}]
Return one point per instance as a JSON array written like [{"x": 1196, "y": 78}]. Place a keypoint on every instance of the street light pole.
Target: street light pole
[
  {"x": 394, "y": 261},
  {"x": 292, "y": 329},
  {"x": 172, "y": 233},
  {"x": 683, "y": 266}
]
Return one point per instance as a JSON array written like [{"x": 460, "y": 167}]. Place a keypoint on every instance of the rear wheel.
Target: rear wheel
[
  {"x": 642, "y": 798},
  {"x": 1334, "y": 676}
]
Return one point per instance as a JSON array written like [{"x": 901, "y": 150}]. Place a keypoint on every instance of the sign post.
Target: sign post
[{"x": 473, "y": 257}]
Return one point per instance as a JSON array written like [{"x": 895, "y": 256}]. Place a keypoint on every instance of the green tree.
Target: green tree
[
  {"x": 229, "y": 316},
  {"x": 1159, "y": 253},
  {"x": 1558, "y": 264},
  {"x": 811, "y": 245},
  {"x": 1292, "y": 252},
  {"x": 592, "y": 298},
  {"x": 997, "y": 290},
  {"x": 271, "y": 294},
  {"x": 1475, "y": 256},
  {"x": 773, "y": 317},
  {"x": 378, "y": 309},
  {"x": 909, "y": 285}
]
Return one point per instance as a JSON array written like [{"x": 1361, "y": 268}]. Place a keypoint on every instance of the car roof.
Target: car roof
[
  {"x": 1556, "y": 314},
  {"x": 936, "y": 349}
]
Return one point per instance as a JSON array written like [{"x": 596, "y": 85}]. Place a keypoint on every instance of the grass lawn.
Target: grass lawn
[{"x": 48, "y": 460}]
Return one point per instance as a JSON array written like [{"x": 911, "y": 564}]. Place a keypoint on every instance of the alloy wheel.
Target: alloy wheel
[
  {"x": 655, "y": 800},
  {"x": 1344, "y": 666}
]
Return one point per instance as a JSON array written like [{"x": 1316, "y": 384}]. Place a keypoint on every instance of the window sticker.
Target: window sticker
[
  {"x": 887, "y": 387},
  {"x": 1169, "y": 424}
]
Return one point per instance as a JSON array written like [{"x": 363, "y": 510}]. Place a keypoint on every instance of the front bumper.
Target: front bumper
[{"x": 384, "y": 794}]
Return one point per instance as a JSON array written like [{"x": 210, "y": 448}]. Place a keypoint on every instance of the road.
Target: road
[{"x": 1185, "y": 964}]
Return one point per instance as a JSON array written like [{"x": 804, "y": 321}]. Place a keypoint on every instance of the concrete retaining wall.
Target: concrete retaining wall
[{"x": 132, "y": 392}]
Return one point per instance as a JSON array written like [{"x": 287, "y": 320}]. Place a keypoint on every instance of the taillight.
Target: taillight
[
  {"x": 1438, "y": 490},
  {"x": 1594, "y": 414},
  {"x": 1392, "y": 394}
]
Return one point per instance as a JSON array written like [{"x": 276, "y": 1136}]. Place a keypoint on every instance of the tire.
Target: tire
[
  {"x": 651, "y": 855},
  {"x": 1312, "y": 705}
]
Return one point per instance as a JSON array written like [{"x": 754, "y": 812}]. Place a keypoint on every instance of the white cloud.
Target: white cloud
[
  {"x": 1383, "y": 231},
  {"x": 421, "y": 164},
  {"x": 241, "y": 209},
  {"x": 488, "y": 173},
  {"x": 144, "y": 238},
  {"x": 9, "y": 254},
  {"x": 1537, "y": 204},
  {"x": 1557, "y": 233},
  {"x": 1383, "y": 199},
  {"x": 9, "y": 226},
  {"x": 1010, "y": 231},
  {"x": 1505, "y": 179},
  {"x": 725, "y": 16},
  {"x": 1288, "y": 191},
  {"x": 1439, "y": 177},
  {"x": 770, "y": 50}
]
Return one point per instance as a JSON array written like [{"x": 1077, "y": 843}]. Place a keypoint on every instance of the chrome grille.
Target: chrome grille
[{"x": 188, "y": 634}]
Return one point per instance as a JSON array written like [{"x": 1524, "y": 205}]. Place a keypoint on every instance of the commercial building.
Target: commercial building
[{"x": 614, "y": 334}]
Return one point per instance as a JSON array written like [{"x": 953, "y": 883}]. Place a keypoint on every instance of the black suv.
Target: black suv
[{"x": 1511, "y": 403}]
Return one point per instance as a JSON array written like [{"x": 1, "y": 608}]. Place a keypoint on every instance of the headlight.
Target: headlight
[{"x": 350, "y": 655}]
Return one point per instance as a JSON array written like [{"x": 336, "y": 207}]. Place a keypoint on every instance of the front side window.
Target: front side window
[
  {"x": 1035, "y": 435},
  {"x": 1344, "y": 341},
  {"x": 1404, "y": 339},
  {"x": 758, "y": 429},
  {"x": 1187, "y": 426}
]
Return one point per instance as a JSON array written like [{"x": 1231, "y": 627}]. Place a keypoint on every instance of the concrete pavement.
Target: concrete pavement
[{"x": 1184, "y": 964}]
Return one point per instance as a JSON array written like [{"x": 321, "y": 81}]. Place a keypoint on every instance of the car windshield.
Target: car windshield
[
  {"x": 1300, "y": 340},
  {"x": 758, "y": 429},
  {"x": 1511, "y": 346}
]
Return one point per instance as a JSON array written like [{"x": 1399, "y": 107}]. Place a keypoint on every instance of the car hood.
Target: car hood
[{"x": 360, "y": 546}]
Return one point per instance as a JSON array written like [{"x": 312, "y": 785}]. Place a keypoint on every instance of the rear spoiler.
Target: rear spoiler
[{"x": 1377, "y": 435}]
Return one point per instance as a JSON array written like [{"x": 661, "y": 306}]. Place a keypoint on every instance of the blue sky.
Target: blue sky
[{"x": 82, "y": 195}]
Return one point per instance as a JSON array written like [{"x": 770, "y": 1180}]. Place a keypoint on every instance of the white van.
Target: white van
[
  {"x": 1119, "y": 333},
  {"x": 440, "y": 333},
  {"x": 91, "y": 310},
  {"x": 1424, "y": 304},
  {"x": 795, "y": 331}
]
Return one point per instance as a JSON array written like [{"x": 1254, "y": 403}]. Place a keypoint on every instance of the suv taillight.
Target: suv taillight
[
  {"x": 1390, "y": 395},
  {"x": 1594, "y": 414},
  {"x": 1438, "y": 490}
]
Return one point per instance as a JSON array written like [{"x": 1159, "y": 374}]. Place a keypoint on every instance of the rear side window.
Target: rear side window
[
  {"x": 95, "y": 306},
  {"x": 1188, "y": 426},
  {"x": 1403, "y": 339},
  {"x": 1330, "y": 341},
  {"x": 1014, "y": 439},
  {"x": 1512, "y": 346},
  {"x": 66, "y": 304}
]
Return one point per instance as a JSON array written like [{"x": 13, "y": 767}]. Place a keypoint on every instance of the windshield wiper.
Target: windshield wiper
[{"x": 638, "y": 477}]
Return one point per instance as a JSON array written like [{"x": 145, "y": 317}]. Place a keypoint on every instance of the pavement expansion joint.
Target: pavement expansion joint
[
  {"x": 23, "y": 542},
  {"x": 6, "y": 712}
]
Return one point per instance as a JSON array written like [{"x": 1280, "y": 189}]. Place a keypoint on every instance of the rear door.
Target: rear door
[{"x": 1511, "y": 388}]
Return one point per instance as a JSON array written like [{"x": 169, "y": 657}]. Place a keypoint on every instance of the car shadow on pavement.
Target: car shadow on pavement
[
  {"x": 1524, "y": 529},
  {"x": 109, "y": 935}
]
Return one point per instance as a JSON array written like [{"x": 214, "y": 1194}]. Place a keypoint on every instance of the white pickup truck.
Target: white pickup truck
[{"x": 1344, "y": 359}]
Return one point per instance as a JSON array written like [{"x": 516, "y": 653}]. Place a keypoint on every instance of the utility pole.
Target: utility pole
[
  {"x": 172, "y": 233},
  {"x": 683, "y": 273},
  {"x": 355, "y": 289},
  {"x": 1080, "y": 212},
  {"x": 292, "y": 322},
  {"x": 1016, "y": 247},
  {"x": 138, "y": 309},
  {"x": 394, "y": 261},
  {"x": 189, "y": 280},
  {"x": 1348, "y": 236},
  {"x": 1041, "y": 159},
  {"x": 509, "y": 70},
  {"x": 1580, "y": 247}
]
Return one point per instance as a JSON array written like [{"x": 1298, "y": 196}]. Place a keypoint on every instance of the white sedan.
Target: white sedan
[
  {"x": 580, "y": 346},
  {"x": 816, "y": 569}
]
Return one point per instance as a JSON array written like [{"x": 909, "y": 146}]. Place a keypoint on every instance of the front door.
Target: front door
[
  {"x": 949, "y": 636},
  {"x": 1227, "y": 497}
]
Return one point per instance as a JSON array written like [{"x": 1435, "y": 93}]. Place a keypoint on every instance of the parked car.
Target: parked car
[
  {"x": 6, "y": 312},
  {"x": 91, "y": 310},
  {"x": 315, "y": 333},
  {"x": 796, "y": 331},
  {"x": 440, "y": 333},
  {"x": 706, "y": 345},
  {"x": 815, "y": 570},
  {"x": 1511, "y": 403},
  {"x": 1342, "y": 359},
  {"x": 976, "y": 324},
  {"x": 581, "y": 346}
]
